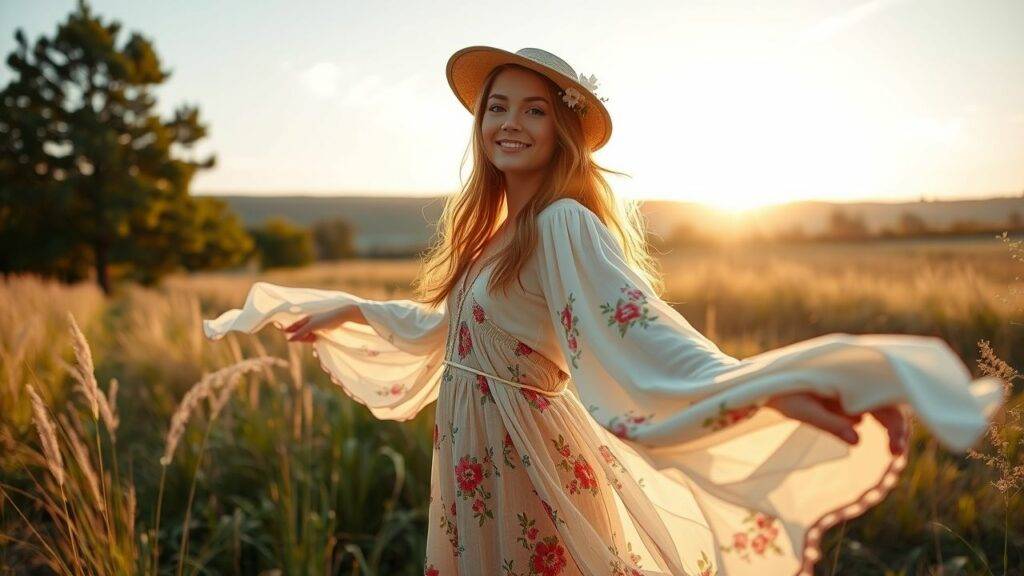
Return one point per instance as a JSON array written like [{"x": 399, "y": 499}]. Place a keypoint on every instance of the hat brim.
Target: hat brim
[{"x": 467, "y": 69}]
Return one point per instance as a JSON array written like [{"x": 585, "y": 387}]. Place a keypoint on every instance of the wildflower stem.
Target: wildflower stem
[
  {"x": 71, "y": 530},
  {"x": 1006, "y": 529},
  {"x": 191, "y": 496},
  {"x": 156, "y": 522},
  {"x": 839, "y": 545},
  {"x": 103, "y": 481},
  {"x": 53, "y": 553}
]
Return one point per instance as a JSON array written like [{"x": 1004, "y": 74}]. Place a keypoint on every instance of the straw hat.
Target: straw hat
[{"x": 468, "y": 68}]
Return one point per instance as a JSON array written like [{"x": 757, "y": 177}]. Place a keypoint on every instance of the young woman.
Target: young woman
[{"x": 582, "y": 425}]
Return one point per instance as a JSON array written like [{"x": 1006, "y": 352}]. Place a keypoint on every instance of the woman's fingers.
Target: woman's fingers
[
  {"x": 297, "y": 324},
  {"x": 836, "y": 407},
  {"x": 829, "y": 421},
  {"x": 812, "y": 409},
  {"x": 892, "y": 418},
  {"x": 304, "y": 331}
]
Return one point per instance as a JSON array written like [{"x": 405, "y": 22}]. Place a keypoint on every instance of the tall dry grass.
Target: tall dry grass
[{"x": 199, "y": 466}]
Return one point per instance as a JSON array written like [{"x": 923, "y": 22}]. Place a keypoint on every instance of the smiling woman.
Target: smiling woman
[{"x": 582, "y": 425}]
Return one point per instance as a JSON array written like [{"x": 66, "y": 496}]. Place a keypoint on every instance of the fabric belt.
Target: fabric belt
[{"x": 509, "y": 382}]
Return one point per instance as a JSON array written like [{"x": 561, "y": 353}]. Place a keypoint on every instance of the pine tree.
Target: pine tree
[{"x": 90, "y": 175}]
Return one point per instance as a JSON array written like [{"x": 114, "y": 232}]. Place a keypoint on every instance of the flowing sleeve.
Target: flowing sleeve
[
  {"x": 392, "y": 366},
  {"x": 626, "y": 348},
  {"x": 688, "y": 423}
]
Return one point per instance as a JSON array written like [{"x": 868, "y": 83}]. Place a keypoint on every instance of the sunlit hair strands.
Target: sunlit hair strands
[{"x": 473, "y": 215}]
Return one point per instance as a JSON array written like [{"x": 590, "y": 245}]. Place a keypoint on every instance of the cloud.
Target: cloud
[
  {"x": 829, "y": 26},
  {"x": 321, "y": 79}
]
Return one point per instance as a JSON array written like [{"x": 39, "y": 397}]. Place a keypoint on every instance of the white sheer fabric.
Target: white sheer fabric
[{"x": 696, "y": 476}]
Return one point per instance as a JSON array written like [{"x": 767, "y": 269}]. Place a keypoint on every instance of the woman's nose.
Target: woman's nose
[{"x": 510, "y": 126}]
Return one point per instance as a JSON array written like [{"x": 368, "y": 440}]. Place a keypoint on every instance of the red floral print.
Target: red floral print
[
  {"x": 523, "y": 350},
  {"x": 452, "y": 531},
  {"x": 727, "y": 417},
  {"x": 537, "y": 400},
  {"x": 548, "y": 557},
  {"x": 758, "y": 538},
  {"x": 485, "y": 390},
  {"x": 470, "y": 475},
  {"x": 630, "y": 311},
  {"x": 506, "y": 450},
  {"x": 627, "y": 312},
  {"x": 465, "y": 340},
  {"x": 583, "y": 477},
  {"x": 625, "y": 425},
  {"x": 571, "y": 329},
  {"x": 478, "y": 313},
  {"x": 430, "y": 571},
  {"x": 584, "y": 474},
  {"x": 393, "y": 390}
]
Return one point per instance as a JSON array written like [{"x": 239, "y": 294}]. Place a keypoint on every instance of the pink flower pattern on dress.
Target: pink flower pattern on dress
[
  {"x": 583, "y": 477},
  {"x": 628, "y": 311},
  {"x": 625, "y": 425},
  {"x": 727, "y": 417},
  {"x": 478, "y": 313},
  {"x": 470, "y": 474},
  {"x": 758, "y": 538},
  {"x": 465, "y": 340},
  {"x": 547, "y": 555},
  {"x": 570, "y": 326},
  {"x": 393, "y": 390},
  {"x": 485, "y": 390}
]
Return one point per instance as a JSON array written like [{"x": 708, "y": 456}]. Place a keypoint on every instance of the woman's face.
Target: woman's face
[{"x": 518, "y": 114}]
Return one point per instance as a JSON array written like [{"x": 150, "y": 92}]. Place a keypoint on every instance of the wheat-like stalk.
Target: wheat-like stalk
[
  {"x": 47, "y": 435},
  {"x": 218, "y": 402},
  {"x": 85, "y": 371},
  {"x": 109, "y": 409},
  {"x": 203, "y": 389},
  {"x": 81, "y": 454}
]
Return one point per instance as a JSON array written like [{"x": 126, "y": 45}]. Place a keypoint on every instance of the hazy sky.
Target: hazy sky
[{"x": 727, "y": 102}]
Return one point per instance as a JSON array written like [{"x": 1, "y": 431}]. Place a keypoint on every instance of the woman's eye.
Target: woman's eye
[
  {"x": 492, "y": 108},
  {"x": 541, "y": 112}
]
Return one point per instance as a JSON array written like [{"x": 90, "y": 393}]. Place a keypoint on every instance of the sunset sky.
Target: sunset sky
[{"x": 731, "y": 103}]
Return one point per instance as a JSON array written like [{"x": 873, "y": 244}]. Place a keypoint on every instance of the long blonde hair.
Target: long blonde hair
[{"x": 471, "y": 217}]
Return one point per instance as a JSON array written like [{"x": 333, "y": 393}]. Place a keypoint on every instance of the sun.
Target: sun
[{"x": 737, "y": 204}]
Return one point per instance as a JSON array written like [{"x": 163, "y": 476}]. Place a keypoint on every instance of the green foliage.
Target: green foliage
[
  {"x": 89, "y": 173},
  {"x": 281, "y": 243},
  {"x": 334, "y": 239}
]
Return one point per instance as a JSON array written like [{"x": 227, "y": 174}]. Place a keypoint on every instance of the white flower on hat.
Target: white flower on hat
[
  {"x": 590, "y": 83},
  {"x": 575, "y": 99},
  {"x": 572, "y": 97}
]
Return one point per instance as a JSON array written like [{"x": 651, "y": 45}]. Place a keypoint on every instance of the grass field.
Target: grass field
[{"x": 277, "y": 472}]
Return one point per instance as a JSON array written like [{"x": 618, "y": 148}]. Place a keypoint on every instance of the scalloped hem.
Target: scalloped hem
[{"x": 868, "y": 499}]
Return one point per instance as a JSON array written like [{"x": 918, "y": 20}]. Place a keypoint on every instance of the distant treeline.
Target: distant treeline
[{"x": 843, "y": 226}]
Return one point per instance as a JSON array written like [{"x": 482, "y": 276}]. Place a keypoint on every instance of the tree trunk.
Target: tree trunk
[{"x": 100, "y": 252}]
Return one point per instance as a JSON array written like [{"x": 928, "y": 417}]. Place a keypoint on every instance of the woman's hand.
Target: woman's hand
[
  {"x": 303, "y": 329},
  {"x": 827, "y": 414}
]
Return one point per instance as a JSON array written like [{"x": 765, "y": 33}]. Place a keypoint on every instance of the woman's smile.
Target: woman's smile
[{"x": 512, "y": 146}]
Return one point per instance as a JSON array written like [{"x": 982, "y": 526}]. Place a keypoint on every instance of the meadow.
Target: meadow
[{"x": 271, "y": 469}]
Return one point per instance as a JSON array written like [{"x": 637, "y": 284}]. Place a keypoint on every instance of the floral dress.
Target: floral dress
[{"x": 583, "y": 426}]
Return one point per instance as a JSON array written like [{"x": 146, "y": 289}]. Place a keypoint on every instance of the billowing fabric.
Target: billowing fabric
[{"x": 583, "y": 426}]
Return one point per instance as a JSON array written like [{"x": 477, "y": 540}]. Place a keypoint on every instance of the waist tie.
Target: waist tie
[{"x": 509, "y": 382}]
